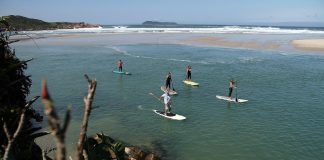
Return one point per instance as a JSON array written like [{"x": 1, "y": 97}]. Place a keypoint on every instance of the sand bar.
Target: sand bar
[
  {"x": 309, "y": 44},
  {"x": 218, "y": 41}
]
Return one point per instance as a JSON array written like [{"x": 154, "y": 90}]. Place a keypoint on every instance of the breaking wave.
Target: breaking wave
[{"x": 210, "y": 29}]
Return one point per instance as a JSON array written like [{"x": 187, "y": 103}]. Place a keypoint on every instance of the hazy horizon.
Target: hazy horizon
[{"x": 279, "y": 24}]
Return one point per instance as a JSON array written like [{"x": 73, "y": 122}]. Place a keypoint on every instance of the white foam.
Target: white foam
[
  {"x": 119, "y": 27},
  {"x": 119, "y": 50},
  {"x": 249, "y": 59},
  {"x": 225, "y": 29}
]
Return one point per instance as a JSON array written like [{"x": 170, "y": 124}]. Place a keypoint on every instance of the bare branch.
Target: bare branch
[
  {"x": 5, "y": 128},
  {"x": 27, "y": 60},
  {"x": 92, "y": 84},
  {"x": 11, "y": 138},
  {"x": 31, "y": 39},
  {"x": 20, "y": 125},
  {"x": 12, "y": 41},
  {"x": 87, "y": 77},
  {"x": 66, "y": 120},
  {"x": 85, "y": 155},
  {"x": 54, "y": 124},
  {"x": 31, "y": 102}
]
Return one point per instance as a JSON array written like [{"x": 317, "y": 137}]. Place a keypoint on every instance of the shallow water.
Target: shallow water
[{"x": 283, "y": 119}]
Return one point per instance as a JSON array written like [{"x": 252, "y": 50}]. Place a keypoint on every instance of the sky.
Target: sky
[{"x": 180, "y": 11}]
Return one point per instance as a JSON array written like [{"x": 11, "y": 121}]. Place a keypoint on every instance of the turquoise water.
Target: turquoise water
[{"x": 283, "y": 119}]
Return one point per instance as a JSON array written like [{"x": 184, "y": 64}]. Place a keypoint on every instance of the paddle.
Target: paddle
[
  {"x": 155, "y": 97},
  {"x": 173, "y": 87},
  {"x": 158, "y": 99},
  {"x": 236, "y": 99}
]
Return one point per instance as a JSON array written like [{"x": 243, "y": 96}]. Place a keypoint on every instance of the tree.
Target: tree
[{"x": 16, "y": 112}]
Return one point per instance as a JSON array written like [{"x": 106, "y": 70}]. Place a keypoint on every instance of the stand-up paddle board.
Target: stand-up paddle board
[
  {"x": 170, "y": 115},
  {"x": 189, "y": 82},
  {"x": 231, "y": 99},
  {"x": 118, "y": 72},
  {"x": 171, "y": 92}
]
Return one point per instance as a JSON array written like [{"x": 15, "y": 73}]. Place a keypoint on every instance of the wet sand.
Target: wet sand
[{"x": 219, "y": 41}]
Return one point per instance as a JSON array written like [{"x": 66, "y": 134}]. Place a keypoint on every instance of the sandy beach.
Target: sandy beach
[{"x": 309, "y": 44}]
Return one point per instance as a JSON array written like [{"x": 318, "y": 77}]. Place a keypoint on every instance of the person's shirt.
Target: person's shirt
[
  {"x": 166, "y": 98},
  {"x": 189, "y": 70},
  {"x": 231, "y": 84},
  {"x": 120, "y": 63},
  {"x": 168, "y": 77}
]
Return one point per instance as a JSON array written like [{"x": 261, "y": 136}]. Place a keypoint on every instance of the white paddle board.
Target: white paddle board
[
  {"x": 170, "y": 115},
  {"x": 231, "y": 99},
  {"x": 118, "y": 72},
  {"x": 171, "y": 92}
]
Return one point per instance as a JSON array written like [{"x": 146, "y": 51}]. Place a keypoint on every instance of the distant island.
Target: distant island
[
  {"x": 156, "y": 23},
  {"x": 21, "y": 23}
]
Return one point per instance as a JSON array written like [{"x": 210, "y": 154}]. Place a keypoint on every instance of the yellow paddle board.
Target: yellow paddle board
[{"x": 189, "y": 82}]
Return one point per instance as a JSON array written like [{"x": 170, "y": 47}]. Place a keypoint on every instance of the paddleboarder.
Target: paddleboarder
[
  {"x": 188, "y": 72},
  {"x": 168, "y": 81},
  {"x": 231, "y": 87},
  {"x": 167, "y": 102},
  {"x": 120, "y": 65}
]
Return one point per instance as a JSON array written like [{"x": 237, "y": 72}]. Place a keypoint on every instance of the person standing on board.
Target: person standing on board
[
  {"x": 231, "y": 87},
  {"x": 120, "y": 65},
  {"x": 188, "y": 73},
  {"x": 168, "y": 81},
  {"x": 167, "y": 102}
]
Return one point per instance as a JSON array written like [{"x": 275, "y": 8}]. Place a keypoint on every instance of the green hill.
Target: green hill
[{"x": 27, "y": 24}]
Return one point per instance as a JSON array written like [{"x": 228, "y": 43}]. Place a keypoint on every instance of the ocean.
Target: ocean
[
  {"x": 186, "y": 29},
  {"x": 283, "y": 118}
]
